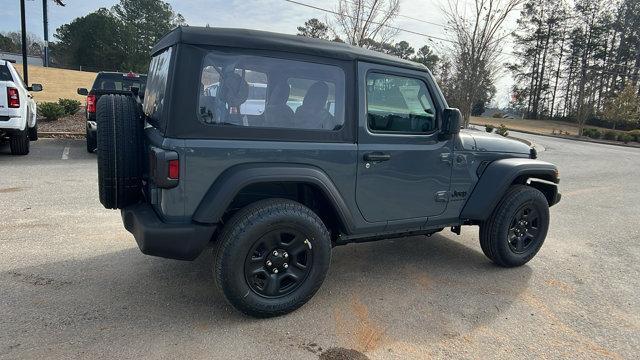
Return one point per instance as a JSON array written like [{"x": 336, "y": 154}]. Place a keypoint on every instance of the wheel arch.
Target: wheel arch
[
  {"x": 239, "y": 180},
  {"x": 499, "y": 175}
]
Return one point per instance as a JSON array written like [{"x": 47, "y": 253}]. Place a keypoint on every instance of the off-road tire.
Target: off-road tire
[
  {"x": 119, "y": 148},
  {"x": 19, "y": 142},
  {"x": 92, "y": 141},
  {"x": 494, "y": 232},
  {"x": 244, "y": 230}
]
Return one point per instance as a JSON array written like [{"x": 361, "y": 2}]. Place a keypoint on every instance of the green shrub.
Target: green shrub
[
  {"x": 624, "y": 137},
  {"x": 70, "y": 106},
  {"x": 489, "y": 128},
  {"x": 592, "y": 133},
  {"x": 50, "y": 111},
  {"x": 610, "y": 135},
  {"x": 502, "y": 130},
  {"x": 635, "y": 134},
  {"x": 498, "y": 115}
]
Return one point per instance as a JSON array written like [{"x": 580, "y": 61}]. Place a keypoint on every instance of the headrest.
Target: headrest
[
  {"x": 280, "y": 94},
  {"x": 316, "y": 97},
  {"x": 234, "y": 90}
]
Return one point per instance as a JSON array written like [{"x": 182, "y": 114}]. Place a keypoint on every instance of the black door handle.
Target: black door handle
[{"x": 376, "y": 156}]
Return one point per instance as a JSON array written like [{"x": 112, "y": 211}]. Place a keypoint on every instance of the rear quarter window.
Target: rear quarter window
[
  {"x": 156, "y": 89},
  {"x": 5, "y": 74}
]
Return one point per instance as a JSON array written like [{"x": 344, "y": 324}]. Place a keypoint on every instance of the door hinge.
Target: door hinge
[{"x": 442, "y": 196}]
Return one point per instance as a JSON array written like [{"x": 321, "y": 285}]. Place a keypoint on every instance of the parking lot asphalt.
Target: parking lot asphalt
[{"x": 74, "y": 285}]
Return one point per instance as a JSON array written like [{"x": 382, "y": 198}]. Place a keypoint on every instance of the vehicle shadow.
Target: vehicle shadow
[
  {"x": 411, "y": 290},
  {"x": 4, "y": 148}
]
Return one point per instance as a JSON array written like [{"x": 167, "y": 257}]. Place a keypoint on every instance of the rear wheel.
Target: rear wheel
[
  {"x": 272, "y": 257},
  {"x": 516, "y": 230},
  {"x": 119, "y": 146},
  {"x": 19, "y": 142}
]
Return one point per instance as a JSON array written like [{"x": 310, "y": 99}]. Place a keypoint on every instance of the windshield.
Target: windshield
[{"x": 119, "y": 82}]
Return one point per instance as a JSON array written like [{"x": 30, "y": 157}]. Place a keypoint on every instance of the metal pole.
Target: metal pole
[
  {"x": 45, "y": 24},
  {"x": 25, "y": 74}
]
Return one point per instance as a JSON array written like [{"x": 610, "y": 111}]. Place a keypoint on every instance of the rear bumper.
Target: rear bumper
[
  {"x": 13, "y": 123},
  {"x": 157, "y": 238}
]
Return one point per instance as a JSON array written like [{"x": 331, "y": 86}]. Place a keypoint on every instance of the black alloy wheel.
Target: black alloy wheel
[
  {"x": 524, "y": 229},
  {"x": 517, "y": 228},
  {"x": 278, "y": 263},
  {"x": 271, "y": 257}
]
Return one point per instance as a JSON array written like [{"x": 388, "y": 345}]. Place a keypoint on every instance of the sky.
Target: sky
[{"x": 271, "y": 15}]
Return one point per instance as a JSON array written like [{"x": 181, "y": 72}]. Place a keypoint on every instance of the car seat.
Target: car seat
[
  {"x": 312, "y": 114},
  {"x": 277, "y": 113}
]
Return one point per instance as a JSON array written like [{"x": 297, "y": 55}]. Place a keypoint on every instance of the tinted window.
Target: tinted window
[
  {"x": 155, "y": 92},
  {"x": 399, "y": 104},
  {"x": 254, "y": 91},
  {"x": 119, "y": 82},
  {"x": 5, "y": 74},
  {"x": 257, "y": 92},
  {"x": 299, "y": 87}
]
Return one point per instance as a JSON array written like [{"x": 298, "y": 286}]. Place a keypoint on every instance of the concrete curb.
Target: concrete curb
[
  {"x": 615, "y": 143},
  {"x": 60, "y": 135}
]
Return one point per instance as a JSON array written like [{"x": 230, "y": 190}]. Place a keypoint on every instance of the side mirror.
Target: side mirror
[
  {"x": 83, "y": 91},
  {"x": 35, "y": 87},
  {"x": 451, "y": 121}
]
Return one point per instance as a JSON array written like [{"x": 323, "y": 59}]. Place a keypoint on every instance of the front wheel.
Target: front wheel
[
  {"x": 516, "y": 230},
  {"x": 272, "y": 257}
]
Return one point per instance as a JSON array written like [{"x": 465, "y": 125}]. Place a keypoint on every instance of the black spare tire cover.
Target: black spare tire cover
[{"x": 120, "y": 145}]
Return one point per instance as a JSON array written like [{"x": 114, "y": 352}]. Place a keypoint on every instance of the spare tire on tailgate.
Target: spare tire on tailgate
[{"x": 120, "y": 145}]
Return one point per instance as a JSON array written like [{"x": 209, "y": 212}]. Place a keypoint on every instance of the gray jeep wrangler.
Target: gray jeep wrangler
[{"x": 274, "y": 148}]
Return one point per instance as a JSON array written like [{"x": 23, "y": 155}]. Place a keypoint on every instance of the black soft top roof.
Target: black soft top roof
[{"x": 263, "y": 40}]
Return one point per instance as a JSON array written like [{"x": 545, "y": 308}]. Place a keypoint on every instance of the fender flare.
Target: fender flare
[
  {"x": 231, "y": 181},
  {"x": 496, "y": 179}
]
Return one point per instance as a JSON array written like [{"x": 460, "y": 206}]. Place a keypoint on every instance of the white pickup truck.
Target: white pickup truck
[{"x": 18, "y": 123}]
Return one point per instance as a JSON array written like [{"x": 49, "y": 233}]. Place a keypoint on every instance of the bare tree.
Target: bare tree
[
  {"x": 477, "y": 35},
  {"x": 359, "y": 20}
]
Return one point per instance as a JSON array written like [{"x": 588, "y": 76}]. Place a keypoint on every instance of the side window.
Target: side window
[
  {"x": 397, "y": 104},
  {"x": 300, "y": 87},
  {"x": 255, "y": 91},
  {"x": 155, "y": 91}
]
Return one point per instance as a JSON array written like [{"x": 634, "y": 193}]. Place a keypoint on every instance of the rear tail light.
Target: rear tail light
[
  {"x": 13, "y": 97},
  {"x": 164, "y": 168},
  {"x": 91, "y": 103},
  {"x": 174, "y": 169}
]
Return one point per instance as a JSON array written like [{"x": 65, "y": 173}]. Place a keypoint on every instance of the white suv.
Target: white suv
[{"x": 18, "y": 122}]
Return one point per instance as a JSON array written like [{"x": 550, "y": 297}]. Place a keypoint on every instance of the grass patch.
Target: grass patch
[
  {"x": 58, "y": 83},
  {"x": 545, "y": 127}
]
